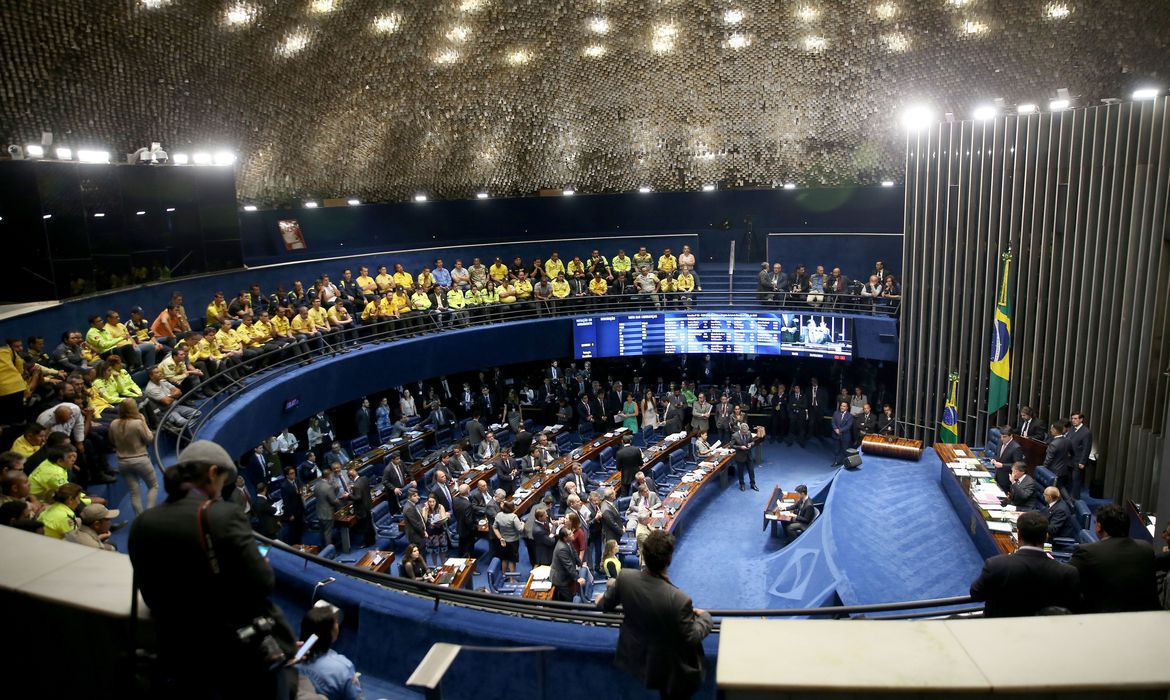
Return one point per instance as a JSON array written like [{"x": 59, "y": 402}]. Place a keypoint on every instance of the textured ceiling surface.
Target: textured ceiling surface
[{"x": 383, "y": 99}]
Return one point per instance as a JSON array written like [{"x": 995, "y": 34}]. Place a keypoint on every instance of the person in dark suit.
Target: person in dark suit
[
  {"x": 264, "y": 514},
  {"x": 293, "y": 510},
  {"x": 723, "y": 418},
  {"x": 1117, "y": 573},
  {"x": 742, "y": 442},
  {"x": 886, "y": 424},
  {"x": 586, "y": 415},
  {"x": 797, "y": 416},
  {"x": 488, "y": 404},
  {"x": 178, "y": 574},
  {"x": 866, "y": 423},
  {"x": 412, "y": 520},
  {"x": 543, "y": 541},
  {"x": 464, "y": 521},
  {"x": 361, "y": 419},
  {"x": 1030, "y": 426},
  {"x": 803, "y": 514},
  {"x": 508, "y": 474},
  {"x": 612, "y": 525},
  {"x": 629, "y": 462},
  {"x": 256, "y": 467},
  {"x": 660, "y": 642},
  {"x": 565, "y": 575},
  {"x": 1058, "y": 457},
  {"x": 1023, "y": 490},
  {"x": 764, "y": 286},
  {"x": 475, "y": 432},
  {"x": 1061, "y": 522},
  {"x": 842, "y": 433},
  {"x": 394, "y": 478},
  {"x": 441, "y": 417},
  {"x": 310, "y": 469},
  {"x": 441, "y": 490},
  {"x": 818, "y": 403},
  {"x": 522, "y": 445},
  {"x": 1027, "y": 581},
  {"x": 1009, "y": 453},
  {"x": 583, "y": 481},
  {"x": 672, "y": 417},
  {"x": 361, "y": 497},
  {"x": 327, "y": 504},
  {"x": 1080, "y": 440}
]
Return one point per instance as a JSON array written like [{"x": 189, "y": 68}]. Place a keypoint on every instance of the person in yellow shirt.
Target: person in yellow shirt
[
  {"x": 667, "y": 263},
  {"x": 685, "y": 286},
  {"x": 506, "y": 292},
  {"x": 13, "y": 387},
  {"x": 101, "y": 343},
  {"x": 340, "y": 319},
  {"x": 575, "y": 265},
  {"x": 523, "y": 287},
  {"x": 384, "y": 280},
  {"x": 281, "y": 334},
  {"x": 597, "y": 289},
  {"x": 227, "y": 341},
  {"x": 472, "y": 299},
  {"x": 402, "y": 278},
  {"x": 457, "y": 300},
  {"x": 368, "y": 286},
  {"x": 560, "y": 288},
  {"x": 207, "y": 356},
  {"x": 304, "y": 327},
  {"x": 622, "y": 263},
  {"x": 489, "y": 301},
  {"x": 420, "y": 306},
  {"x": 400, "y": 301},
  {"x": 144, "y": 352},
  {"x": 60, "y": 517},
  {"x": 426, "y": 280},
  {"x": 52, "y": 473},
  {"x": 31, "y": 441},
  {"x": 387, "y": 313},
  {"x": 553, "y": 266},
  {"x": 667, "y": 287},
  {"x": 217, "y": 310},
  {"x": 498, "y": 272},
  {"x": 643, "y": 258}
]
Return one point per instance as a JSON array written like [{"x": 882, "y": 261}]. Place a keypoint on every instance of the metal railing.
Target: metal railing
[{"x": 268, "y": 365}]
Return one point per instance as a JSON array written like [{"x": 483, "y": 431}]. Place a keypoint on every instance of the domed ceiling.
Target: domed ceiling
[{"x": 383, "y": 99}]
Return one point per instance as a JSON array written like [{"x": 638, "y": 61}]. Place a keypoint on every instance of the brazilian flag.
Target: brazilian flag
[
  {"x": 949, "y": 426},
  {"x": 1001, "y": 342}
]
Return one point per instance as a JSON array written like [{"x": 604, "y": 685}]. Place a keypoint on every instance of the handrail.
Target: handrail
[
  {"x": 428, "y": 675},
  {"x": 587, "y": 613},
  {"x": 389, "y": 331}
]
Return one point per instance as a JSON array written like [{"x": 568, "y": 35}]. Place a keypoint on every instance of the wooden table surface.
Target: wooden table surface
[{"x": 368, "y": 561}]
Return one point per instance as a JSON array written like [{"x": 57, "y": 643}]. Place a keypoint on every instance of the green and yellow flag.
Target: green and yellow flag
[
  {"x": 949, "y": 425},
  {"x": 1001, "y": 341}
]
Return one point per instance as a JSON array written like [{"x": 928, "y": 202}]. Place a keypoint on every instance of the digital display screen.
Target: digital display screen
[{"x": 791, "y": 334}]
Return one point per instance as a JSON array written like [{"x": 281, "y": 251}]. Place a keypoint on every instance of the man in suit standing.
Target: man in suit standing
[
  {"x": 475, "y": 432},
  {"x": 1022, "y": 493},
  {"x": 1117, "y": 573},
  {"x": 1061, "y": 522},
  {"x": 508, "y": 474},
  {"x": 487, "y": 403},
  {"x": 612, "y": 525},
  {"x": 1030, "y": 426},
  {"x": 442, "y": 418},
  {"x": 441, "y": 490},
  {"x": 464, "y": 521},
  {"x": 394, "y": 478},
  {"x": 327, "y": 505},
  {"x": 742, "y": 443},
  {"x": 1009, "y": 453},
  {"x": 467, "y": 400},
  {"x": 723, "y": 419},
  {"x": 660, "y": 642},
  {"x": 412, "y": 520},
  {"x": 629, "y": 462},
  {"x": 586, "y": 416},
  {"x": 865, "y": 424},
  {"x": 293, "y": 509},
  {"x": 362, "y": 500},
  {"x": 672, "y": 417},
  {"x": 818, "y": 402},
  {"x": 361, "y": 418},
  {"x": 764, "y": 287},
  {"x": 1027, "y": 581},
  {"x": 842, "y": 433},
  {"x": 542, "y": 537},
  {"x": 798, "y": 416},
  {"x": 1080, "y": 440},
  {"x": 522, "y": 445},
  {"x": 256, "y": 467},
  {"x": 263, "y": 514},
  {"x": 1058, "y": 457}
]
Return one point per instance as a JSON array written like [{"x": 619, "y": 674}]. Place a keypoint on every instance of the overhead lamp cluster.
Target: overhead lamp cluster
[
  {"x": 152, "y": 155},
  {"x": 918, "y": 117}
]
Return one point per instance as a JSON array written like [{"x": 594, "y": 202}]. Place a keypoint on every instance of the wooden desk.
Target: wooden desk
[
  {"x": 372, "y": 562},
  {"x": 673, "y": 519},
  {"x": 487, "y": 471},
  {"x": 662, "y": 450},
  {"x": 1034, "y": 452},
  {"x": 462, "y": 577},
  {"x": 977, "y": 520},
  {"x": 540, "y": 482},
  {"x": 308, "y": 548},
  {"x": 889, "y": 446},
  {"x": 537, "y": 595}
]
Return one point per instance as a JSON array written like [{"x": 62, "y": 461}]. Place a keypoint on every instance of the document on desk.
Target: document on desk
[
  {"x": 995, "y": 526},
  {"x": 968, "y": 460},
  {"x": 541, "y": 586},
  {"x": 541, "y": 573}
]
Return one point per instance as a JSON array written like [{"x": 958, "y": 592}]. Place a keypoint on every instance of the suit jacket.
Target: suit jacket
[
  {"x": 416, "y": 529},
  {"x": 479, "y": 502},
  {"x": 822, "y": 398},
  {"x": 1117, "y": 575},
  {"x": 612, "y": 525},
  {"x": 798, "y": 406},
  {"x": 170, "y": 583},
  {"x": 629, "y": 461},
  {"x": 395, "y": 477},
  {"x": 584, "y": 416},
  {"x": 722, "y": 414},
  {"x": 1037, "y": 429},
  {"x": 1010, "y": 454},
  {"x": 360, "y": 496},
  {"x": 844, "y": 423},
  {"x": 1023, "y": 583},
  {"x": 867, "y": 424},
  {"x": 1023, "y": 493},
  {"x": 1058, "y": 456},
  {"x": 1081, "y": 442},
  {"x": 1061, "y": 522},
  {"x": 887, "y": 426},
  {"x": 522, "y": 445},
  {"x": 340, "y": 456},
  {"x": 294, "y": 506},
  {"x": 566, "y": 566},
  {"x": 672, "y": 417},
  {"x": 362, "y": 421},
  {"x": 264, "y": 517},
  {"x": 475, "y": 432},
  {"x": 660, "y": 642},
  {"x": 327, "y": 503},
  {"x": 256, "y": 468},
  {"x": 444, "y": 498},
  {"x": 586, "y": 483},
  {"x": 543, "y": 542},
  {"x": 739, "y": 439},
  {"x": 464, "y": 514},
  {"x": 805, "y": 513}
]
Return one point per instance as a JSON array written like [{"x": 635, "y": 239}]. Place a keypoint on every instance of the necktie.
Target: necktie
[
  {"x": 580, "y": 485},
  {"x": 814, "y": 397},
  {"x": 1025, "y": 430}
]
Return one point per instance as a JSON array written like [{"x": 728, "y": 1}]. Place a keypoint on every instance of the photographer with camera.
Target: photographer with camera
[{"x": 201, "y": 573}]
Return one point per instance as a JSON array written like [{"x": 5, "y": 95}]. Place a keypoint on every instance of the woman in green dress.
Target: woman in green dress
[{"x": 630, "y": 411}]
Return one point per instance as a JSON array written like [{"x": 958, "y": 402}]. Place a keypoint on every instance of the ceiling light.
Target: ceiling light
[
  {"x": 225, "y": 158},
  {"x": 808, "y": 13},
  {"x": 155, "y": 4},
  {"x": 790, "y": 185},
  {"x": 959, "y": 3},
  {"x": 169, "y": 209},
  {"x": 180, "y": 159},
  {"x": 662, "y": 45},
  {"x": 1027, "y": 108},
  {"x": 1057, "y": 10},
  {"x": 917, "y": 118},
  {"x": 645, "y": 190},
  {"x": 481, "y": 195},
  {"x": 984, "y": 112},
  {"x": 568, "y": 192},
  {"x": 139, "y": 213},
  {"x": 1057, "y": 105},
  {"x": 249, "y": 207},
  {"x": 708, "y": 188},
  {"x": 458, "y": 34},
  {"x": 519, "y": 57},
  {"x": 1146, "y": 93},
  {"x": 34, "y": 151},
  {"x": 93, "y": 156},
  {"x": 738, "y": 41},
  {"x": 470, "y": 5},
  {"x": 293, "y": 44},
  {"x": 201, "y": 158},
  {"x": 420, "y": 198},
  {"x": 47, "y": 217},
  {"x": 240, "y": 13},
  {"x": 887, "y": 183},
  {"x": 896, "y": 42},
  {"x": 388, "y": 24},
  {"x": 599, "y": 25},
  {"x": 665, "y": 31},
  {"x": 447, "y": 57},
  {"x": 353, "y": 202},
  {"x": 886, "y": 10},
  {"x": 323, "y": 6},
  {"x": 64, "y": 154},
  {"x": 733, "y": 16},
  {"x": 814, "y": 43},
  {"x": 974, "y": 26},
  {"x": 594, "y": 51},
  {"x": 100, "y": 215},
  {"x": 310, "y": 204}
]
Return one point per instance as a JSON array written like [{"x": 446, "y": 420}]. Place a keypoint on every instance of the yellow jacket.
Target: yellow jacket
[
  {"x": 560, "y": 288},
  {"x": 552, "y": 268},
  {"x": 598, "y": 286},
  {"x": 405, "y": 279}
]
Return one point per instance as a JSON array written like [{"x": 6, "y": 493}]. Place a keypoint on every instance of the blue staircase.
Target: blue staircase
[{"x": 713, "y": 277}]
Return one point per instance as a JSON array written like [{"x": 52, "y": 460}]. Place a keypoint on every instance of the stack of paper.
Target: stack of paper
[
  {"x": 541, "y": 573},
  {"x": 541, "y": 586}
]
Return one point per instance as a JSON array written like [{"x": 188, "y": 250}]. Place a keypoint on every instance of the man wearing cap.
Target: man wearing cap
[
  {"x": 95, "y": 527},
  {"x": 208, "y": 587}
]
